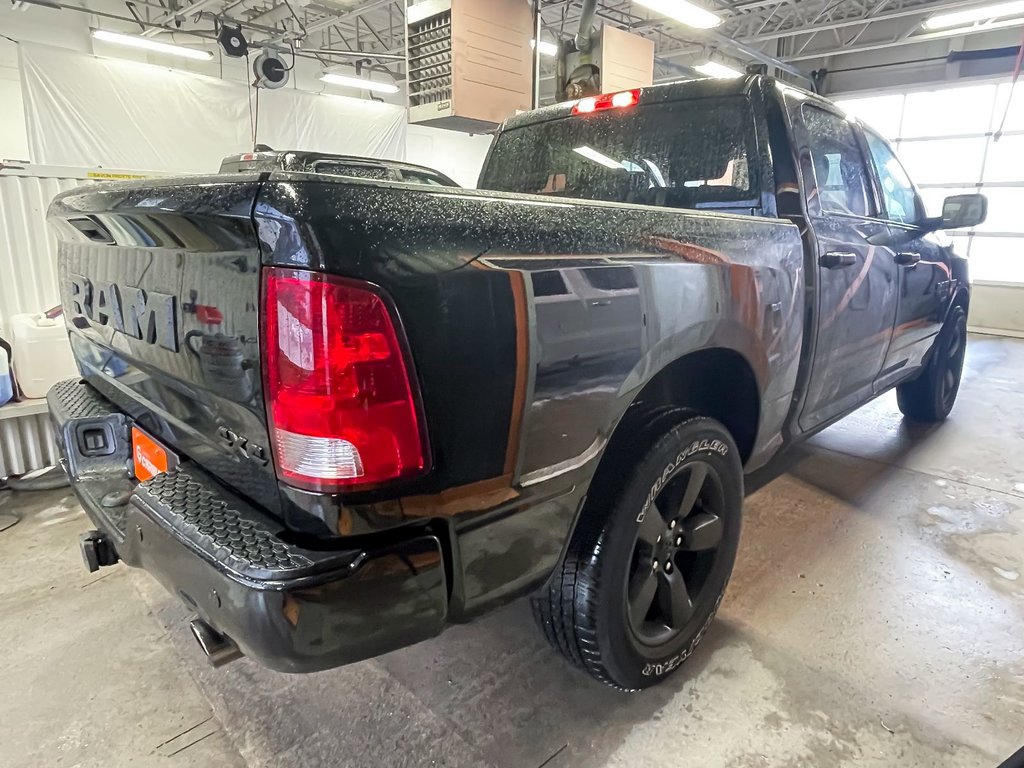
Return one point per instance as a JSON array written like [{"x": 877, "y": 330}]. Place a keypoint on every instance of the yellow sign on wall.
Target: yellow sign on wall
[{"x": 104, "y": 175}]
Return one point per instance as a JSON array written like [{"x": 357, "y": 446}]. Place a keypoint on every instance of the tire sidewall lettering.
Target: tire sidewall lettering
[
  {"x": 695, "y": 447},
  {"x": 664, "y": 667}
]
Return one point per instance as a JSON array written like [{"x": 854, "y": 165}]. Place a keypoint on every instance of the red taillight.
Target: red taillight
[
  {"x": 339, "y": 396},
  {"x": 606, "y": 101}
]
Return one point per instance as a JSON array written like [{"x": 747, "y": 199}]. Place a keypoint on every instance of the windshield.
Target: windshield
[{"x": 698, "y": 153}]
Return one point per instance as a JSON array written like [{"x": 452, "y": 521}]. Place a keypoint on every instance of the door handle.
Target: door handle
[
  {"x": 907, "y": 258},
  {"x": 601, "y": 303},
  {"x": 837, "y": 259}
]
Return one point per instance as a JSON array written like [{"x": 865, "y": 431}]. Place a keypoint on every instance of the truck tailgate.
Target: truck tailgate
[{"x": 160, "y": 286}]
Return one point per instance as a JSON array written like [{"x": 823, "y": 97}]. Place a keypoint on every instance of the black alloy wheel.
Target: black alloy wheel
[
  {"x": 956, "y": 349},
  {"x": 676, "y": 546},
  {"x": 930, "y": 396},
  {"x": 649, "y": 561}
]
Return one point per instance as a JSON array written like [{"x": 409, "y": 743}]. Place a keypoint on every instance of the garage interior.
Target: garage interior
[{"x": 876, "y": 613}]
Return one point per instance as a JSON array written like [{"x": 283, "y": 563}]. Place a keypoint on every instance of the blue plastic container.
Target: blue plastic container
[{"x": 6, "y": 386}]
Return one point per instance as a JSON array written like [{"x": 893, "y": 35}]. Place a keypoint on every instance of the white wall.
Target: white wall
[
  {"x": 459, "y": 155},
  {"x": 94, "y": 111},
  {"x": 64, "y": 29},
  {"x": 997, "y": 308},
  {"x": 28, "y": 250},
  {"x": 13, "y": 138}
]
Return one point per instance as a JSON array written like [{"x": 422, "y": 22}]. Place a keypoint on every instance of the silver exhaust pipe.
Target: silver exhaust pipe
[{"x": 219, "y": 649}]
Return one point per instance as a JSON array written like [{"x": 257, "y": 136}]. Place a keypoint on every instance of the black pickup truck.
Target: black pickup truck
[{"x": 336, "y": 415}]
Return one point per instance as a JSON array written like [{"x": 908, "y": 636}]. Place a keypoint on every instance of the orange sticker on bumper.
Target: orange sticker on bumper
[{"x": 148, "y": 457}]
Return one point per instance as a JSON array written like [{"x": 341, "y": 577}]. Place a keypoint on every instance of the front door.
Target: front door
[
  {"x": 856, "y": 281},
  {"x": 923, "y": 263}
]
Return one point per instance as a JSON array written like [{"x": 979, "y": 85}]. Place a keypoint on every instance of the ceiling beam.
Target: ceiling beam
[
  {"x": 319, "y": 26},
  {"x": 904, "y": 38},
  {"x": 852, "y": 22}
]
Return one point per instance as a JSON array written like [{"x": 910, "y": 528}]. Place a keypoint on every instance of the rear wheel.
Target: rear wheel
[
  {"x": 930, "y": 396},
  {"x": 646, "y": 570}
]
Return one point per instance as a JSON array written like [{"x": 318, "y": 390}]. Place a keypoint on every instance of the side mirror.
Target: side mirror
[{"x": 963, "y": 211}]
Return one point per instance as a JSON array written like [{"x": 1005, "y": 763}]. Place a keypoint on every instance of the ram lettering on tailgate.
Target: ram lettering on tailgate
[{"x": 145, "y": 315}]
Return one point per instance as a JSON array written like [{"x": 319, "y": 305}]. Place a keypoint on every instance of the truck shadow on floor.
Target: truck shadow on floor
[
  {"x": 826, "y": 464},
  {"x": 493, "y": 692},
  {"x": 490, "y": 693}
]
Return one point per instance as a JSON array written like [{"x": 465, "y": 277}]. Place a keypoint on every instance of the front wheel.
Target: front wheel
[
  {"x": 931, "y": 395},
  {"x": 647, "y": 569}
]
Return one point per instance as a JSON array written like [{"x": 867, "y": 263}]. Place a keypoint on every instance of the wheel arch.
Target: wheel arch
[
  {"x": 962, "y": 298},
  {"x": 717, "y": 382}
]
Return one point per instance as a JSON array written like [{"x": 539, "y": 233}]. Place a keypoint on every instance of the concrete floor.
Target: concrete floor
[{"x": 876, "y": 618}]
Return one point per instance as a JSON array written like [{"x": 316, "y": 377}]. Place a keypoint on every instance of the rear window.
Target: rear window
[{"x": 698, "y": 153}]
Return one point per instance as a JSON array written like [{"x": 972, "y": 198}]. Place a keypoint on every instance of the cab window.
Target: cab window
[
  {"x": 898, "y": 194},
  {"x": 839, "y": 174},
  {"x": 695, "y": 153}
]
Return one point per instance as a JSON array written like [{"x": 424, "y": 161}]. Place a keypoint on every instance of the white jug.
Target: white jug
[{"x": 42, "y": 354}]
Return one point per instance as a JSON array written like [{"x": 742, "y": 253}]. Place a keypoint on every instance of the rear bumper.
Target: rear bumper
[{"x": 290, "y": 608}]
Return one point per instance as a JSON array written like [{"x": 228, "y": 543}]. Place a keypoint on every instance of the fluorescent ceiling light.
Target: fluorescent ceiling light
[
  {"x": 597, "y": 157},
  {"x": 721, "y": 71},
  {"x": 970, "y": 29},
  {"x": 358, "y": 82},
  {"x": 546, "y": 48},
  {"x": 973, "y": 15},
  {"x": 149, "y": 43},
  {"x": 684, "y": 12}
]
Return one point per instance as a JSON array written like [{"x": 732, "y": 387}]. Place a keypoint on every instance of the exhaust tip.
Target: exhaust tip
[{"x": 219, "y": 649}]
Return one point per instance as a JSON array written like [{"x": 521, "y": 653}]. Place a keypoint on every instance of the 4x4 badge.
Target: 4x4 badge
[{"x": 242, "y": 447}]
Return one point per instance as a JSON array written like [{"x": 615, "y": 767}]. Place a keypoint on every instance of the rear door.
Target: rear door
[
  {"x": 923, "y": 265},
  {"x": 856, "y": 281}
]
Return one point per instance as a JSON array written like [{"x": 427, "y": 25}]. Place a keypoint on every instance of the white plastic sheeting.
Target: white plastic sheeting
[
  {"x": 28, "y": 283},
  {"x": 13, "y": 138},
  {"x": 459, "y": 155},
  {"x": 28, "y": 250},
  {"x": 88, "y": 111}
]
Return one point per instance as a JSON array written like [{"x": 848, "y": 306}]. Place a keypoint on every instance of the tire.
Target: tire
[
  {"x": 930, "y": 396},
  {"x": 689, "y": 484}
]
